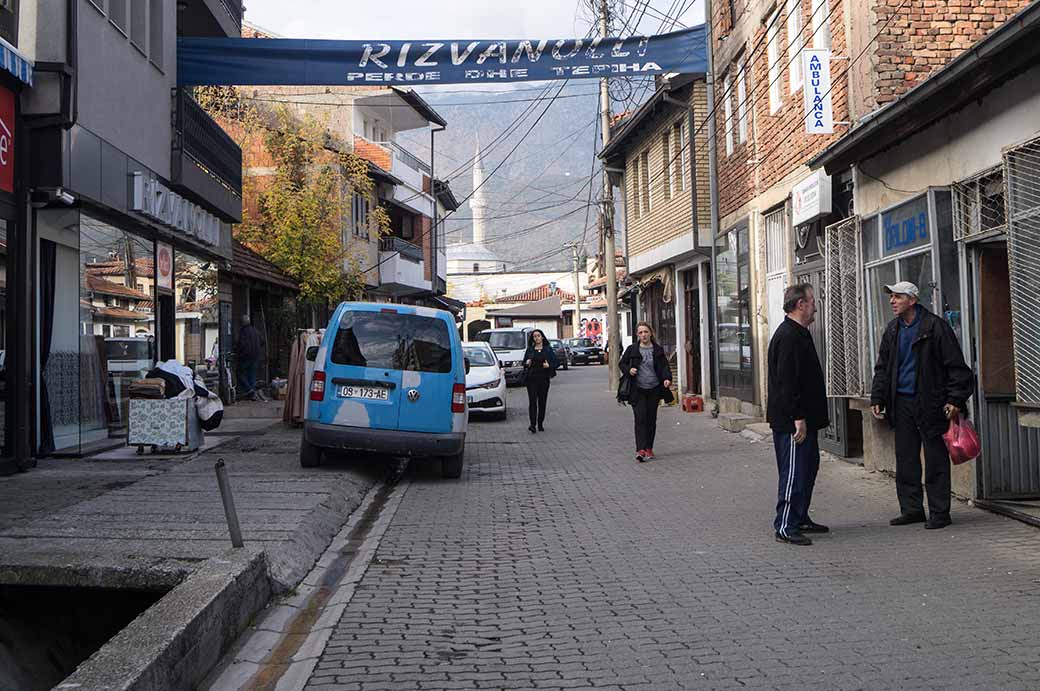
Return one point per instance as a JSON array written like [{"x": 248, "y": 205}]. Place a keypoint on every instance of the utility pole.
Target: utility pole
[
  {"x": 577, "y": 289},
  {"x": 607, "y": 220}
]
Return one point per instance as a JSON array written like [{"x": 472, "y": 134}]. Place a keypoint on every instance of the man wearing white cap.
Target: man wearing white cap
[{"x": 920, "y": 383}]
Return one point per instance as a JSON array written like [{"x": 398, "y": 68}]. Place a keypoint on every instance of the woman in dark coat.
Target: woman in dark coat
[
  {"x": 645, "y": 363},
  {"x": 540, "y": 363}
]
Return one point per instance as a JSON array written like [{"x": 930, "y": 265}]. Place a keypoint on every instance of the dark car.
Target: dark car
[
  {"x": 562, "y": 352},
  {"x": 584, "y": 351}
]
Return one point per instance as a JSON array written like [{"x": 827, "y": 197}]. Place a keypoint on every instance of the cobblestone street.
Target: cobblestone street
[{"x": 559, "y": 562}]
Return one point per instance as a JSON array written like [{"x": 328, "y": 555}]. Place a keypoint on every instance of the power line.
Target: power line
[{"x": 489, "y": 176}]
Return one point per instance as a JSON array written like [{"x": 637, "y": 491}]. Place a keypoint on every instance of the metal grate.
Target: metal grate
[
  {"x": 776, "y": 247},
  {"x": 978, "y": 205},
  {"x": 844, "y": 308},
  {"x": 1022, "y": 173}
]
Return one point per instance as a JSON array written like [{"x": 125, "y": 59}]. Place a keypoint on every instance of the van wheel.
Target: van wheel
[
  {"x": 451, "y": 466},
  {"x": 310, "y": 455}
]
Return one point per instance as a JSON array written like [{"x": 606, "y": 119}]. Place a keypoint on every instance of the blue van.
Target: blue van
[{"x": 388, "y": 379}]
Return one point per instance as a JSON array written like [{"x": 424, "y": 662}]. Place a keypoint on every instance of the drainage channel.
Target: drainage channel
[{"x": 283, "y": 649}]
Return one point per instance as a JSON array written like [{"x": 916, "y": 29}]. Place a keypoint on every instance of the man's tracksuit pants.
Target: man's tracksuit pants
[{"x": 797, "y": 466}]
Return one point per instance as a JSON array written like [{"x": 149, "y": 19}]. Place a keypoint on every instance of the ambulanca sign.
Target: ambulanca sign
[{"x": 276, "y": 61}]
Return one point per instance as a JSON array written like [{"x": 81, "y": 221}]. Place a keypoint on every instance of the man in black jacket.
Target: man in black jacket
[
  {"x": 797, "y": 411},
  {"x": 920, "y": 383}
]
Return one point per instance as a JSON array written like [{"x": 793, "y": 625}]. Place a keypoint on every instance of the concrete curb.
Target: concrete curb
[{"x": 174, "y": 643}]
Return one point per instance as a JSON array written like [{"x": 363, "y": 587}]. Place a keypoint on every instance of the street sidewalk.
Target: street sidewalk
[{"x": 92, "y": 522}]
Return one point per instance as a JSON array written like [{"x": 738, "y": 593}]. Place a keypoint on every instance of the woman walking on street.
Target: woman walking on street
[
  {"x": 645, "y": 363},
  {"x": 540, "y": 363}
]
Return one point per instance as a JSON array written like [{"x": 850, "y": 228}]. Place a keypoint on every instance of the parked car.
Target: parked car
[
  {"x": 584, "y": 351},
  {"x": 563, "y": 354},
  {"x": 509, "y": 346},
  {"x": 388, "y": 379},
  {"x": 485, "y": 381}
]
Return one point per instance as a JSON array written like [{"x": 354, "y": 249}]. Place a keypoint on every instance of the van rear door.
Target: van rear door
[{"x": 429, "y": 375}]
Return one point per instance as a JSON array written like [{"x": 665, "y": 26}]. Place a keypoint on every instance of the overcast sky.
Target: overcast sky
[{"x": 453, "y": 19}]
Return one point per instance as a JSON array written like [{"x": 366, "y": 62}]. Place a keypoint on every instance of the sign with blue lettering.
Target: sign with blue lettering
[
  {"x": 280, "y": 61},
  {"x": 906, "y": 226},
  {"x": 819, "y": 114}
]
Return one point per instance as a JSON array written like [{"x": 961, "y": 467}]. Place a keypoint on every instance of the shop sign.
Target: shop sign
[
  {"x": 164, "y": 265},
  {"x": 153, "y": 199},
  {"x": 819, "y": 115},
  {"x": 6, "y": 140},
  {"x": 906, "y": 226},
  {"x": 811, "y": 198}
]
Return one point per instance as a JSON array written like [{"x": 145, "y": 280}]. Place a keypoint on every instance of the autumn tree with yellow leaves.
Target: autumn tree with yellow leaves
[{"x": 294, "y": 214}]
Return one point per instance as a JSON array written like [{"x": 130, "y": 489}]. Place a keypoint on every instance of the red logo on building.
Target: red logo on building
[{"x": 6, "y": 140}]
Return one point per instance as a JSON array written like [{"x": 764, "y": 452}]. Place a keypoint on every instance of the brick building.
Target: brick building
[
  {"x": 947, "y": 196},
  {"x": 772, "y": 210}
]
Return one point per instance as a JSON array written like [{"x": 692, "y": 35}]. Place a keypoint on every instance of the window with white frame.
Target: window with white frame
[
  {"x": 773, "y": 56},
  {"x": 794, "y": 43},
  {"x": 648, "y": 193},
  {"x": 666, "y": 156},
  {"x": 727, "y": 94},
  {"x": 360, "y": 208},
  {"x": 636, "y": 183},
  {"x": 821, "y": 15},
  {"x": 679, "y": 156},
  {"x": 742, "y": 101}
]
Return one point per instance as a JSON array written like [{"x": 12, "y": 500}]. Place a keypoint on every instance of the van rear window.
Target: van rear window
[{"x": 393, "y": 341}]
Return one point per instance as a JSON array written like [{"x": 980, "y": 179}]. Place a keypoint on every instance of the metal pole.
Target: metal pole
[
  {"x": 577, "y": 290},
  {"x": 607, "y": 221},
  {"x": 713, "y": 192},
  {"x": 229, "y": 503}
]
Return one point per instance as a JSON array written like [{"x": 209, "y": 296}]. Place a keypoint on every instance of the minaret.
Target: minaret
[{"x": 478, "y": 202}]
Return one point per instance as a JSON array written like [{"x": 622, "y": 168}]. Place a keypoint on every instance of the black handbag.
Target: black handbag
[{"x": 624, "y": 389}]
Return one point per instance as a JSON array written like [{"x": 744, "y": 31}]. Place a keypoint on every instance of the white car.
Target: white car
[{"x": 485, "y": 382}]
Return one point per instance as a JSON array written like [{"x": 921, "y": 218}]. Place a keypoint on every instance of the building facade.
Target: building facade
[
  {"x": 663, "y": 153},
  {"x": 772, "y": 208},
  {"x": 132, "y": 190},
  {"x": 947, "y": 196}
]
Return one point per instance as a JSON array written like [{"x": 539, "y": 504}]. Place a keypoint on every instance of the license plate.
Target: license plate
[{"x": 372, "y": 393}]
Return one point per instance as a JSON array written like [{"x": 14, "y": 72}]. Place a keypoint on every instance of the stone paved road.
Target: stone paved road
[{"x": 558, "y": 562}]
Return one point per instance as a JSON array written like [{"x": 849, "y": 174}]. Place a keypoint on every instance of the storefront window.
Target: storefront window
[
  {"x": 729, "y": 304},
  {"x": 903, "y": 244},
  {"x": 734, "y": 307},
  {"x": 195, "y": 292},
  {"x": 96, "y": 327},
  {"x": 117, "y": 322}
]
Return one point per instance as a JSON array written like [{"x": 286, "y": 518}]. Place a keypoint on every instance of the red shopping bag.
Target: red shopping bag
[{"x": 962, "y": 441}]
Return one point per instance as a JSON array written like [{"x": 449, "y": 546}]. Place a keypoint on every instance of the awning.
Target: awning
[
  {"x": 454, "y": 306},
  {"x": 16, "y": 63},
  {"x": 664, "y": 276}
]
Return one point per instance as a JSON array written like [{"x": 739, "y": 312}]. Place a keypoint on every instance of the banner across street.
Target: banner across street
[{"x": 265, "y": 61}]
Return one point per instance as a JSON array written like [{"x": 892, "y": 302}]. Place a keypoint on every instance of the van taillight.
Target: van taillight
[
  {"x": 458, "y": 398},
  {"x": 318, "y": 386}
]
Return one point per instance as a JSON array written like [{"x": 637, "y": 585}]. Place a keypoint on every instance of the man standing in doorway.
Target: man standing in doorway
[
  {"x": 250, "y": 348},
  {"x": 920, "y": 383},
  {"x": 797, "y": 411}
]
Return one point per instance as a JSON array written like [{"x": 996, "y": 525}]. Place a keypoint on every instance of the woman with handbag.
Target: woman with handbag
[
  {"x": 650, "y": 381},
  {"x": 539, "y": 367}
]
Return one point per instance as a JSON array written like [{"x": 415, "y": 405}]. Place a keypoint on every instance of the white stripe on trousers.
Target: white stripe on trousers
[{"x": 790, "y": 487}]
